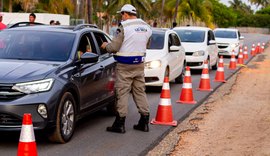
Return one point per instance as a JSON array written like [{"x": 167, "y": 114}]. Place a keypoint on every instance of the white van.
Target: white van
[
  {"x": 200, "y": 45},
  {"x": 228, "y": 39}
]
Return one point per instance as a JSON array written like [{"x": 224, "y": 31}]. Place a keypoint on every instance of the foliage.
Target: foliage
[
  {"x": 257, "y": 20},
  {"x": 264, "y": 11},
  {"x": 222, "y": 15}
]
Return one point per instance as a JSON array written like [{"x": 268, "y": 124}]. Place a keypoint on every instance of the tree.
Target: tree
[{"x": 263, "y": 3}]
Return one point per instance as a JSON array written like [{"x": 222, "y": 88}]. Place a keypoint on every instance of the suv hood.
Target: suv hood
[
  {"x": 18, "y": 71},
  {"x": 192, "y": 47}
]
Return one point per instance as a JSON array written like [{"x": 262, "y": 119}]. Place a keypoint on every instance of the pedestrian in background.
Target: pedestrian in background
[
  {"x": 32, "y": 18},
  {"x": 52, "y": 22},
  {"x": 130, "y": 47},
  {"x": 113, "y": 29},
  {"x": 2, "y": 25}
]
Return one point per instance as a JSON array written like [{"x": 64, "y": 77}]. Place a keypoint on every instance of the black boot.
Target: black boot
[
  {"x": 118, "y": 125},
  {"x": 143, "y": 123}
]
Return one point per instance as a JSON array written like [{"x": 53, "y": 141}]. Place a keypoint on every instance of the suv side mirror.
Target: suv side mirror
[
  {"x": 242, "y": 37},
  {"x": 174, "y": 48},
  {"x": 211, "y": 42},
  {"x": 89, "y": 57}
]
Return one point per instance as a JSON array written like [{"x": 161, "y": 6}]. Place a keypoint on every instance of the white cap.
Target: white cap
[{"x": 128, "y": 8}]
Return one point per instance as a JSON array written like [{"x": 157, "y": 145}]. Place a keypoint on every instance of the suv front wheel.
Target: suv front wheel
[{"x": 65, "y": 120}]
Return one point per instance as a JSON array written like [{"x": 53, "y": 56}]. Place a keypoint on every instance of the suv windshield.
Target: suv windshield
[
  {"x": 225, "y": 34},
  {"x": 157, "y": 40},
  {"x": 191, "y": 35},
  {"x": 31, "y": 45}
]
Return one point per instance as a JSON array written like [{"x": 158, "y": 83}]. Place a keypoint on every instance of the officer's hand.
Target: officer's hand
[{"x": 104, "y": 44}]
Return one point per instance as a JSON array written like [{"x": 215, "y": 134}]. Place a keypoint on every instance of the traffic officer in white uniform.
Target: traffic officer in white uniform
[{"x": 129, "y": 47}]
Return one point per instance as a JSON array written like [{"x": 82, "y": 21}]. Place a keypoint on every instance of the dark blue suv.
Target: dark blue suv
[{"x": 56, "y": 73}]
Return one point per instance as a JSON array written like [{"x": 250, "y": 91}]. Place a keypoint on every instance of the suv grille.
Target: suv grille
[
  {"x": 7, "y": 93},
  {"x": 9, "y": 120}
]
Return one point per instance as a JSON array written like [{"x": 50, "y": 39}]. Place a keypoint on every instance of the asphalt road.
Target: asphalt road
[{"x": 91, "y": 138}]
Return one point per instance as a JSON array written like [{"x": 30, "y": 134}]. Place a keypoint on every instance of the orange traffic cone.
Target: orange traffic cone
[
  {"x": 205, "y": 81},
  {"x": 258, "y": 48},
  {"x": 253, "y": 53},
  {"x": 164, "y": 114},
  {"x": 240, "y": 59},
  {"x": 186, "y": 95},
  {"x": 263, "y": 44},
  {"x": 245, "y": 53},
  {"x": 27, "y": 144},
  {"x": 220, "y": 76},
  {"x": 232, "y": 61}
]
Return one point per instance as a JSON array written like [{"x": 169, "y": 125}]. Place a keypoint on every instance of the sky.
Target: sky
[{"x": 253, "y": 7}]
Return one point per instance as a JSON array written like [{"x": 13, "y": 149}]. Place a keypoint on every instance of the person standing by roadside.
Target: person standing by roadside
[
  {"x": 130, "y": 46},
  {"x": 2, "y": 25},
  {"x": 32, "y": 18}
]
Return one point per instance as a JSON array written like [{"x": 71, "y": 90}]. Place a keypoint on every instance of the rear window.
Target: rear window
[
  {"x": 225, "y": 34},
  {"x": 191, "y": 35},
  {"x": 33, "y": 45},
  {"x": 157, "y": 40}
]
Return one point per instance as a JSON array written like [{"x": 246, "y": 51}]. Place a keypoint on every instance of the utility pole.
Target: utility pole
[
  {"x": 176, "y": 10},
  {"x": 89, "y": 11},
  {"x": 161, "y": 14}
]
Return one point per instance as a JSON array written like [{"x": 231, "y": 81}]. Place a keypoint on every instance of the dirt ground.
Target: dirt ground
[{"x": 234, "y": 121}]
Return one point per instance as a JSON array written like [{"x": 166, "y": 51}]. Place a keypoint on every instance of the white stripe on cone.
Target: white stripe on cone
[
  {"x": 27, "y": 134},
  {"x": 221, "y": 69},
  {"x": 187, "y": 73},
  {"x": 233, "y": 59},
  {"x": 166, "y": 86},
  {"x": 205, "y": 76},
  {"x": 165, "y": 102},
  {"x": 187, "y": 85}
]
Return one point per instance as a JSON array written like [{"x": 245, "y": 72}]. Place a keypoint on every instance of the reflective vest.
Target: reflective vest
[{"x": 136, "y": 36}]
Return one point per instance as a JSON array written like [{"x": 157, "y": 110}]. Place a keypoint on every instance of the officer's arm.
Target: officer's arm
[{"x": 117, "y": 41}]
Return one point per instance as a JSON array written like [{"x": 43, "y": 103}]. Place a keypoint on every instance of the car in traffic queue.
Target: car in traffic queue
[
  {"x": 228, "y": 40},
  {"x": 165, "y": 56},
  {"x": 200, "y": 45},
  {"x": 48, "y": 71}
]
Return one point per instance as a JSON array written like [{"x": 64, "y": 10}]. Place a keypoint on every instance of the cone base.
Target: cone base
[
  {"x": 173, "y": 123},
  {"x": 220, "y": 81},
  {"x": 200, "y": 89},
  {"x": 186, "y": 102}
]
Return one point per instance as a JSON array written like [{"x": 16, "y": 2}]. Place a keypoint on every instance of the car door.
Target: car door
[
  {"x": 108, "y": 65},
  {"x": 174, "y": 57},
  {"x": 212, "y": 47},
  {"x": 91, "y": 75}
]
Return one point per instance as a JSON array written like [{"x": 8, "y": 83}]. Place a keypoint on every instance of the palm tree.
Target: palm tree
[
  {"x": 192, "y": 10},
  {"x": 263, "y": 3}
]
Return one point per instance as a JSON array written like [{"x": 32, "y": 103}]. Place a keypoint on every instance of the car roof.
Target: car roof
[
  {"x": 54, "y": 28},
  {"x": 225, "y": 29},
  {"x": 191, "y": 28}
]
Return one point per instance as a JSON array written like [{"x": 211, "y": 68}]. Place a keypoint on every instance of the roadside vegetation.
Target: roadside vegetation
[{"x": 211, "y": 13}]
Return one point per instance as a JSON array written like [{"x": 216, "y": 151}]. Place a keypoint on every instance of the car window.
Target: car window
[
  {"x": 175, "y": 39},
  {"x": 225, "y": 34},
  {"x": 86, "y": 44},
  {"x": 191, "y": 35},
  {"x": 36, "y": 45},
  {"x": 157, "y": 40},
  {"x": 100, "y": 38}
]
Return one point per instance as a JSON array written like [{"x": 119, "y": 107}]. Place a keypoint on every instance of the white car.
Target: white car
[
  {"x": 228, "y": 40},
  {"x": 164, "y": 57},
  {"x": 200, "y": 45}
]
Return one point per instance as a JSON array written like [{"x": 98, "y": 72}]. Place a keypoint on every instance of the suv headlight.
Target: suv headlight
[
  {"x": 233, "y": 45},
  {"x": 34, "y": 86},
  {"x": 152, "y": 64},
  {"x": 198, "y": 53}
]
